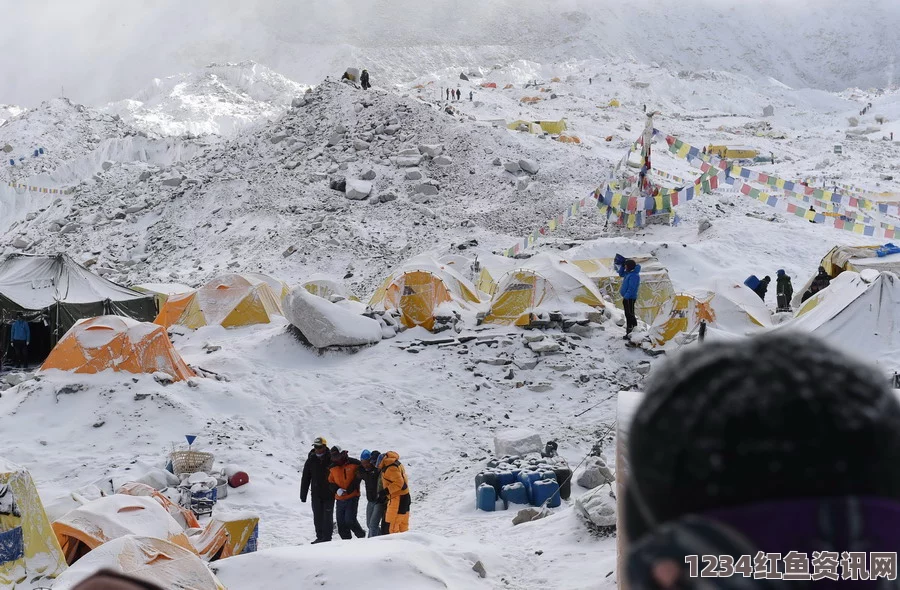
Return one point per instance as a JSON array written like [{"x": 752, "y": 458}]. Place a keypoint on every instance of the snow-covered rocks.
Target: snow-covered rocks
[
  {"x": 517, "y": 442},
  {"x": 367, "y": 175},
  {"x": 595, "y": 473},
  {"x": 598, "y": 506},
  {"x": 358, "y": 190},
  {"x": 427, "y": 189},
  {"x": 529, "y": 166},
  {"x": 413, "y": 174},
  {"x": 386, "y": 197},
  {"x": 512, "y": 167},
  {"x": 324, "y": 324},
  {"x": 431, "y": 151},
  {"x": 173, "y": 180},
  {"x": 360, "y": 145},
  {"x": 442, "y": 161}
]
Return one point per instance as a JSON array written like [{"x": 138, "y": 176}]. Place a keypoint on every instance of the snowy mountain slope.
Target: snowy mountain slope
[{"x": 219, "y": 99}]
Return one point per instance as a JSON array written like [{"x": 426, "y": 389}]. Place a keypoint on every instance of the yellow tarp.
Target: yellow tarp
[
  {"x": 553, "y": 127},
  {"x": 614, "y": 103},
  {"x": 655, "y": 291},
  {"x": 685, "y": 313},
  {"x": 736, "y": 153},
  {"x": 530, "y": 126},
  {"x": 29, "y": 551}
]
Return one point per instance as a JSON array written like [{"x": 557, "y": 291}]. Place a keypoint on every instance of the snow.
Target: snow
[
  {"x": 325, "y": 324},
  {"x": 212, "y": 171}
]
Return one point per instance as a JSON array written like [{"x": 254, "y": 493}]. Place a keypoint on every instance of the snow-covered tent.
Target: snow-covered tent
[
  {"x": 327, "y": 288},
  {"x": 655, "y": 291},
  {"x": 856, "y": 259},
  {"x": 54, "y": 292},
  {"x": 859, "y": 312},
  {"x": 162, "y": 291},
  {"x": 111, "y": 517},
  {"x": 28, "y": 548},
  {"x": 228, "y": 300},
  {"x": 147, "y": 558},
  {"x": 118, "y": 344},
  {"x": 726, "y": 307},
  {"x": 543, "y": 283},
  {"x": 420, "y": 288}
]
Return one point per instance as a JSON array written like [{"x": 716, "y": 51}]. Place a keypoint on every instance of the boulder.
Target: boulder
[
  {"x": 298, "y": 102},
  {"x": 20, "y": 243},
  {"x": 391, "y": 129},
  {"x": 443, "y": 161},
  {"x": 386, "y": 197},
  {"x": 92, "y": 219},
  {"x": 368, "y": 175},
  {"x": 407, "y": 161},
  {"x": 360, "y": 145},
  {"x": 517, "y": 442},
  {"x": 528, "y": 515},
  {"x": 145, "y": 175},
  {"x": 413, "y": 174},
  {"x": 172, "y": 181},
  {"x": 768, "y": 111},
  {"x": 427, "y": 189},
  {"x": 598, "y": 506},
  {"x": 595, "y": 473},
  {"x": 106, "y": 165},
  {"x": 462, "y": 76},
  {"x": 432, "y": 151},
  {"x": 338, "y": 184},
  {"x": 278, "y": 138},
  {"x": 704, "y": 225},
  {"x": 324, "y": 324},
  {"x": 521, "y": 184},
  {"x": 358, "y": 189},
  {"x": 529, "y": 166},
  {"x": 497, "y": 162},
  {"x": 512, "y": 167},
  {"x": 69, "y": 228},
  {"x": 139, "y": 206}
]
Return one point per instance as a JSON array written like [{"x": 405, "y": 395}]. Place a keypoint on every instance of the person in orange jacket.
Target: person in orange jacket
[
  {"x": 344, "y": 478},
  {"x": 396, "y": 488}
]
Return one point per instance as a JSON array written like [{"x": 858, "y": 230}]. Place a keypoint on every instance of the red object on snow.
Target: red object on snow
[{"x": 238, "y": 479}]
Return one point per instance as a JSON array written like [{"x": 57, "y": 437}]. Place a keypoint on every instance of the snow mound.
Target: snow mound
[
  {"x": 325, "y": 324},
  {"x": 410, "y": 560},
  {"x": 220, "y": 99}
]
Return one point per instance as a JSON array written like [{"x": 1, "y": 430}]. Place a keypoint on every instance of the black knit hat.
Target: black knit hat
[{"x": 774, "y": 417}]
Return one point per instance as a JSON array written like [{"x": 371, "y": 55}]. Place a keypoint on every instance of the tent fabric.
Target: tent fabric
[
  {"x": 531, "y": 126},
  {"x": 229, "y": 300},
  {"x": 728, "y": 307},
  {"x": 227, "y": 537},
  {"x": 543, "y": 283},
  {"x": 852, "y": 258},
  {"x": 119, "y": 344},
  {"x": 28, "y": 548},
  {"x": 152, "y": 559},
  {"x": 111, "y": 517},
  {"x": 860, "y": 313},
  {"x": 64, "y": 292},
  {"x": 182, "y": 516},
  {"x": 553, "y": 127},
  {"x": 162, "y": 291},
  {"x": 327, "y": 288},
  {"x": 420, "y": 287},
  {"x": 655, "y": 291}
]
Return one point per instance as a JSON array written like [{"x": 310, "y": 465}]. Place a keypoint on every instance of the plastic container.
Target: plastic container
[
  {"x": 515, "y": 493},
  {"x": 489, "y": 478},
  {"x": 505, "y": 478},
  {"x": 564, "y": 479},
  {"x": 486, "y": 498},
  {"x": 527, "y": 478},
  {"x": 543, "y": 490}
]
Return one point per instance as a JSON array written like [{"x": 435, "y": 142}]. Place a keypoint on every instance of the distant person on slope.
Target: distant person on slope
[
  {"x": 315, "y": 478},
  {"x": 21, "y": 340},
  {"x": 448, "y": 94},
  {"x": 820, "y": 282},
  {"x": 631, "y": 283},
  {"x": 375, "y": 508},
  {"x": 344, "y": 478},
  {"x": 364, "y": 80},
  {"x": 763, "y": 287},
  {"x": 471, "y": 95},
  {"x": 458, "y": 94},
  {"x": 784, "y": 291},
  {"x": 396, "y": 490}
]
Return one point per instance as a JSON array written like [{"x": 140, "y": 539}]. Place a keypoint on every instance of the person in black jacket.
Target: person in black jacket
[
  {"x": 763, "y": 287},
  {"x": 364, "y": 80},
  {"x": 375, "y": 507},
  {"x": 820, "y": 282},
  {"x": 315, "y": 478}
]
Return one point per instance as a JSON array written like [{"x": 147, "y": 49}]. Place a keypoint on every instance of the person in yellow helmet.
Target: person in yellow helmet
[{"x": 396, "y": 489}]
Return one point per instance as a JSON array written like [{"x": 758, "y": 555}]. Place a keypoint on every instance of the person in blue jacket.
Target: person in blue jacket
[
  {"x": 631, "y": 282},
  {"x": 21, "y": 339}
]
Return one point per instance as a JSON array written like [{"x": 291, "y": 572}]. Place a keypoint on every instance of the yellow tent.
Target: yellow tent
[
  {"x": 146, "y": 558},
  {"x": 29, "y": 551},
  {"x": 327, "y": 288},
  {"x": 851, "y": 258},
  {"x": 655, "y": 291},
  {"x": 567, "y": 138},
  {"x": 730, "y": 308},
  {"x": 421, "y": 286},
  {"x": 614, "y": 103},
  {"x": 229, "y": 300},
  {"x": 544, "y": 283},
  {"x": 227, "y": 537},
  {"x": 100, "y": 521},
  {"x": 117, "y": 343},
  {"x": 529, "y": 126},
  {"x": 162, "y": 291},
  {"x": 553, "y": 127}
]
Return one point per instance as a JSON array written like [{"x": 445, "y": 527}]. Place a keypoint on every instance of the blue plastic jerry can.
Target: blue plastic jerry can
[
  {"x": 515, "y": 493},
  {"x": 543, "y": 490},
  {"x": 486, "y": 498}
]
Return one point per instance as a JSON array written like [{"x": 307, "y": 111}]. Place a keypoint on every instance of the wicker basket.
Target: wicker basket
[{"x": 191, "y": 462}]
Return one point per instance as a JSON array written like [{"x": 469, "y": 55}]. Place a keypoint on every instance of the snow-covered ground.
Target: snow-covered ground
[{"x": 214, "y": 170}]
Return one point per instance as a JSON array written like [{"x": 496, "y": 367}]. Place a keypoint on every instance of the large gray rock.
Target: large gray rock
[
  {"x": 368, "y": 175},
  {"x": 512, "y": 167},
  {"x": 324, "y": 324},
  {"x": 20, "y": 243},
  {"x": 595, "y": 473},
  {"x": 145, "y": 175},
  {"x": 386, "y": 197},
  {"x": 358, "y": 189},
  {"x": 298, "y": 102},
  {"x": 69, "y": 228},
  {"x": 768, "y": 111},
  {"x": 432, "y": 151},
  {"x": 517, "y": 442},
  {"x": 407, "y": 161},
  {"x": 278, "y": 138},
  {"x": 529, "y": 166},
  {"x": 443, "y": 161},
  {"x": 360, "y": 145},
  {"x": 598, "y": 506},
  {"x": 106, "y": 165},
  {"x": 413, "y": 174},
  {"x": 427, "y": 189},
  {"x": 172, "y": 181}
]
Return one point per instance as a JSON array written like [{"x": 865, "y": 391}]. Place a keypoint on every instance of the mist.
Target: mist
[{"x": 96, "y": 51}]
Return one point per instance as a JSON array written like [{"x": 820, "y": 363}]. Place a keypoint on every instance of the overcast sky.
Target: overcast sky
[{"x": 96, "y": 51}]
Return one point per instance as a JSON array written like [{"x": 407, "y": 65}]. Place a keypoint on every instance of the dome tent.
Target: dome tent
[{"x": 229, "y": 300}]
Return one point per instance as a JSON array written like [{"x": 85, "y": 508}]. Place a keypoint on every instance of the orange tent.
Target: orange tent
[
  {"x": 117, "y": 343},
  {"x": 488, "y": 84},
  {"x": 507, "y": 87}
]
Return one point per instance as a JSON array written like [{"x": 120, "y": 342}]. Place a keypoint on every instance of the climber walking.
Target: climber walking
[
  {"x": 364, "y": 80},
  {"x": 315, "y": 479},
  {"x": 345, "y": 479},
  {"x": 396, "y": 491},
  {"x": 784, "y": 291},
  {"x": 375, "y": 507},
  {"x": 631, "y": 282}
]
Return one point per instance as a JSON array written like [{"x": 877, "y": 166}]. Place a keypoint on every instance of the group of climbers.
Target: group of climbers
[
  {"x": 333, "y": 480},
  {"x": 784, "y": 289}
]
